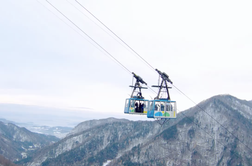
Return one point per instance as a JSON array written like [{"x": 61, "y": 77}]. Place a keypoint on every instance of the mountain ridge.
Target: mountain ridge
[
  {"x": 92, "y": 123},
  {"x": 17, "y": 142},
  {"x": 217, "y": 131}
]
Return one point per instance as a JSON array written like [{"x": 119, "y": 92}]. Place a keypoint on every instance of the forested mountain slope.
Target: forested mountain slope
[{"x": 17, "y": 143}]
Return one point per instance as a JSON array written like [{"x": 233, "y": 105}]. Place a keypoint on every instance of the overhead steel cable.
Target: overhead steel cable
[
  {"x": 115, "y": 34},
  {"x": 103, "y": 49},
  {"x": 69, "y": 25},
  {"x": 124, "y": 43},
  {"x": 88, "y": 36},
  {"x": 155, "y": 69},
  {"x": 111, "y": 35}
]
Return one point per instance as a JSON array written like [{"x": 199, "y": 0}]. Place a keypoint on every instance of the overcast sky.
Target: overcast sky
[{"x": 204, "y": 46}]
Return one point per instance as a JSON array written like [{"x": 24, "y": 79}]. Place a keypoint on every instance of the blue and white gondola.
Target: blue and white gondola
[
  {"x": 136, "y": 104},
  {"x": 162, "y": 108}
]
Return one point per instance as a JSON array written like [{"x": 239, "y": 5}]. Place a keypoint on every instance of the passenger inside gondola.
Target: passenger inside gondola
[
  {"x": 136, "y": 107},
  {"x": 162, "y": 107},
  {"x": 141, "y": 107}
]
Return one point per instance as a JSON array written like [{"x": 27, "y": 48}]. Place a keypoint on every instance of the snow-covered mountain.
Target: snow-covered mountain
[
  {"x": 215, "y": 132},
  {"x": 18, "y": 143}
]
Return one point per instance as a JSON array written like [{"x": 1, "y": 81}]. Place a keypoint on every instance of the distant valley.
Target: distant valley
[{"x": 57, "y": 131}]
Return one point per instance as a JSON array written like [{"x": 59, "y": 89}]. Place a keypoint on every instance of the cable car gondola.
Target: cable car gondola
[
  {"x": 162, "y": 107},
  {"x": 136, "y": 104}
]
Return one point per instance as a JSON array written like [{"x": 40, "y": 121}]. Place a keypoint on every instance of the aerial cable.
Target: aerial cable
[
  {"x": 122, "y": 40},
  {"x": 70, "y": 26},
  {"x": 119, "y": 39},
  {"x": 59, "y": 18},
  {"x": 100, "y": 47},
  {"x": 97, "y": 44},
  {"x": 97, "y": 24},
  {"x": 89, "y": 37},
  {"x": 115, "y": 34}
]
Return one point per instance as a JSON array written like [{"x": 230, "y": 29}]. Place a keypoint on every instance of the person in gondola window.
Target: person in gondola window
[
  {"x": 136, "y": 106},
  {"x": 141, "y": 107}
]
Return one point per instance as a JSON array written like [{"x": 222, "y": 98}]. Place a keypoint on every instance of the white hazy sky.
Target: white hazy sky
[{"x": 204, "y": 46}]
